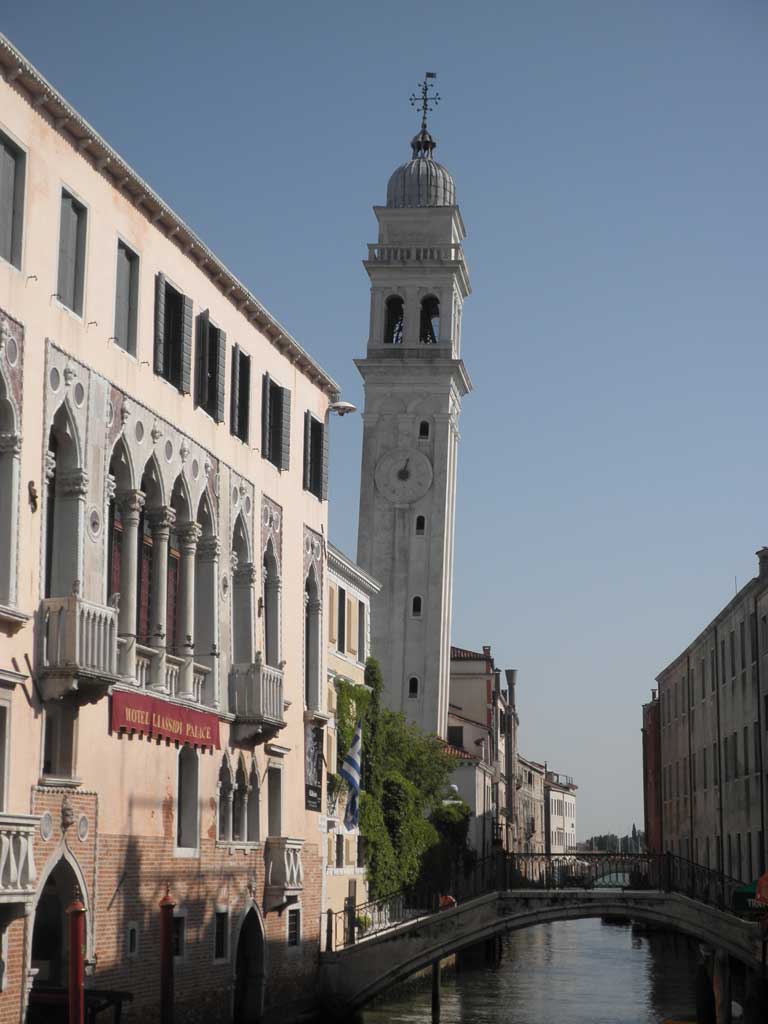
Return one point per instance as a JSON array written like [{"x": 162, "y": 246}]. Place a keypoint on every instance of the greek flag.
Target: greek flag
[{"x": 350, "y": 772}]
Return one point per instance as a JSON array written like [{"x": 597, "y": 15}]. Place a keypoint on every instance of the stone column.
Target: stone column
[
  {"x": 189, "y": 534},
  {"x": 130, "y": 504},
  {"x": 160, "y": 520},
  {"x": 272, "y": 620},
  {"x": 313, "y": 655},
  {"x": 206, "y": 631},
  {"x": 243, "y": 589}
]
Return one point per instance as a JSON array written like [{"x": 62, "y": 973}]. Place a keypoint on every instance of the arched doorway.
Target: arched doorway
[
  {"x": 49, "y": 934},
  {"x": 249, "y": 971}
]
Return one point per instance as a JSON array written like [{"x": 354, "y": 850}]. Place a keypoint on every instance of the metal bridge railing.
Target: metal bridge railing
[{"x": 500, "y": 871}]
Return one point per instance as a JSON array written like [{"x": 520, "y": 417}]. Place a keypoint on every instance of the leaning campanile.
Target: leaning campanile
[{"x": 414, "y": 381}]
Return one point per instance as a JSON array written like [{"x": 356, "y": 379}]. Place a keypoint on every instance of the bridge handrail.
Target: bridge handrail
[{"x": 506, "y": 871}]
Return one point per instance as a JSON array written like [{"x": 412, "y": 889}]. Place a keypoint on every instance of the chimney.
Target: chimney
[
  {"x": 762, "y": 561},
  {"x": 653, "y": 694},
  {"x": 511, "y": 674},
  {"x": 487, "y": 650}
]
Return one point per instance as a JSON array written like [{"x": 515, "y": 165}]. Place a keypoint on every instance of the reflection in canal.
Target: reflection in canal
[{"x": 570, "y": 972}]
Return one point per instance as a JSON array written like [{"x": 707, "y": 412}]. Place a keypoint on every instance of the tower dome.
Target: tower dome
[{"x": 421, "y": 181}]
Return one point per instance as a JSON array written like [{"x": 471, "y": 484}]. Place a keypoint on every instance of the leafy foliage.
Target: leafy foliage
[{"x": 405, "y": 772}]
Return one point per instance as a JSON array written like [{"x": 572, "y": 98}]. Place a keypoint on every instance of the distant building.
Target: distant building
[
  {"x": 652, "y": 800},
  {"x": 349, "y": 629},
  {"x": 712, "y": 714},
  {"x": 478, "y": 720},
  {"x": 529, "y": 783},
  {"x": 559, "y": 813}
]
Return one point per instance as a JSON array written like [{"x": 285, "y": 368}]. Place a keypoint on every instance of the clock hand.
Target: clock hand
[{"x": 403, "y": 474}]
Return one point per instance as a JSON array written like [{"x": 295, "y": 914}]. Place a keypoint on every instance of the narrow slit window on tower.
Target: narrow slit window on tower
[
  {"x": 423, "y": 430},
  {"x": 416, "y": 607},
  {"x": 413, "y": 687},
  {"x": 429, "y": 327},
  {"x": 393, "y": 327},
  {"x": 420, "y": 526}
]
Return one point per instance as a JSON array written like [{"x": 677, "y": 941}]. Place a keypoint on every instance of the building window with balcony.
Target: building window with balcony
[
  {"x": 186, "y": 799},
  {"x": 240, "y": 396},
  {"x": 243, "y": 585},
  {"x": 12, "y": 174},
  {"x": 315, "y": 457},
  {"x": 126, "y": 297},
  {"x": 210, "y": 367},
  {"x": 173, "y": 335},
  {"x": 72, "y": 231},
  {"x": 275, "y": 423}
]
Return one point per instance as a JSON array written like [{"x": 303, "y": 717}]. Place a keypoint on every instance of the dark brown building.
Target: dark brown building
[{"x": 652, "y": 774}]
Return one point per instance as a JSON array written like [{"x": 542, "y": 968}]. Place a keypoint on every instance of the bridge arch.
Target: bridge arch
[{"x": 357, "y": 974}]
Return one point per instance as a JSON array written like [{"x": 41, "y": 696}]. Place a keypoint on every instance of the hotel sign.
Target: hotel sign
[{"x": 135, "y": 712}]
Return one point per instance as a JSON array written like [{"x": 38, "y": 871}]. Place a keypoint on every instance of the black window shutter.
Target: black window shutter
[
  {"x": 307, "y": 449},
  {"x": 221, "y": 369},
  {"x": 201, "y": 357},
  {"x": 186, "y": 347},
  {"x": 234, "y": 394},
  {"x": 324, "y": 478},
  {"x": 159, "y": 323},
  {"x": 8, "y": 170},
  {"x": 285, "y": 431},
  {"x": 67, "y": 252},
  {"x": 265, "y": 416}
]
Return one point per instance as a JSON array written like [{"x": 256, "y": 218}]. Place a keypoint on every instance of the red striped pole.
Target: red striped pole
[
  {"x": 76, "y": 971},
  {"x": 166, "y": 958}
]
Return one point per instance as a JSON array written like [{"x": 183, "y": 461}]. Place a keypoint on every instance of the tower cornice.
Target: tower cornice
[{"x": 417, "y": 363}]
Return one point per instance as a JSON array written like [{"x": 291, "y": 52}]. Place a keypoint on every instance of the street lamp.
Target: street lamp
[{"x": 339, "y": 408}]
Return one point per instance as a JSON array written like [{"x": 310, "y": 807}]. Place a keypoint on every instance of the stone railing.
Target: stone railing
[
  {"x": 256, "y": 694},
  {"x": 173, "y": 668},
  {"x": 415, "y": 253},
  {"x": 284, "y": 875},
  {"x": 144, "y": 656},
  {"x": 78, "y": 638},
  {"x": 17, "y": 865}
]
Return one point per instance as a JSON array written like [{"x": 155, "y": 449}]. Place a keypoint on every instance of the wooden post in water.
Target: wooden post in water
[
  {"x": 721, "y": 983},
  {"x": 435, "y": 992}
]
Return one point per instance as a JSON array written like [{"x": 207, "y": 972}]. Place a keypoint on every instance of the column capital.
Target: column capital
[
  {"x": 72, "y": 483},
  {"x": 245, "y": 575},
  {"x": 161, "y": 519},
  {"x": 209, "y": 549},
  {"x": 189, "y": 535},
  {"x": 10, "y": 443},
  {"x": 130, "y": 504}
]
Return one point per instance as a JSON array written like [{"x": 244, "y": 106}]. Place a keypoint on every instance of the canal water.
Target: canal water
[{"x": 570, "y": 972}]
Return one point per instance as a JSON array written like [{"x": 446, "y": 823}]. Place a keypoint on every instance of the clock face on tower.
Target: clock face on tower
[{"x": 403, "y": 475}]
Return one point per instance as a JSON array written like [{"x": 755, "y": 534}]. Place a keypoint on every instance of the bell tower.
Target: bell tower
[{"x": 414, "y": 381}]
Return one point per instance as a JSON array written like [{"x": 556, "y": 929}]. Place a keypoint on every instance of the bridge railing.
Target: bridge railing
[{"x": 578, "y": 870}]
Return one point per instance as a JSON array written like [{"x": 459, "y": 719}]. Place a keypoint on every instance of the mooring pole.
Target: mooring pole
[
  {"x": 167, "y": 1013},
  {"x": 435, "y": 992},
  {"x": 76, "y": 972}
]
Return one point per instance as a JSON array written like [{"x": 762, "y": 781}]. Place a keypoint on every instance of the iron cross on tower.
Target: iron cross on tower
[{"x": 426, "y": 101}]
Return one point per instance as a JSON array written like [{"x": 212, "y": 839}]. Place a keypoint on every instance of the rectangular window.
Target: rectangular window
[
  {"x": 746, "y": 750},
  {"x": 456, "y": 735},
  {"x": 275, "y": 801},
  {"x": 722, "y": 662},
  {"x": 743, "y": 644},
  {"x": 210, "y": 364},
  {"x": 704, "y": 768},
  {"x": 72, "y": 227},
  {"x": 332, "y": 613},
  {"x": 361, "y": 851},
  {"x": 221, "y": 936},
  {"x": 173, "y": 335},
  {"x": 715, "y": 766},
  {"x": 126, "y": 297},
  {"x": 732, "y": 651},
  {"x": 240, "y": 395},
  {"x": 339, "y": 850},
  {"x": 341, "y": 621},
  {"x": 712, "y": 670},
  {"x": 361, "y": 631},
  {"x": 315, "y": 457},
  {"x": 352, "y": 627},
  {"x": 693, "y": 771},
  {"x": 703, "y": 674},
  {"x": 753, "y": 636},
  {"x": 59, "y": 742},
  {"x": 12, "y": 173},
  {"x": 275, "y": 423},
  {"x": 735, "y": 752},
  {"x": 756, "y": 747},
  {"x": 294, "y": 926},
  {"x": 726, "y": 763},
  {"x": 179, "y": 936}
]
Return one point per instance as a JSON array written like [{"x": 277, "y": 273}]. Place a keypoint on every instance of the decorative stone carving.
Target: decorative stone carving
[
  {"x": 271, "y": 523},
  {"x": 67, "y": 814},
  {"x": 156, "y": 432},
  {"x": 313, "y": 554},
  {"x": 69, "y": 375},
  {"x": 10, "y": 443},
  {"x": 72, "y": 484}
]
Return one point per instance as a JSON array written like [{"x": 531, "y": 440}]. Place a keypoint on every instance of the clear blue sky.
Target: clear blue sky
[{"x": 612, "y": 167}]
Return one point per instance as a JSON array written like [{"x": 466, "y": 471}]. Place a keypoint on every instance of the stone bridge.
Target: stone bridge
[{"x": 354, "y": 975}]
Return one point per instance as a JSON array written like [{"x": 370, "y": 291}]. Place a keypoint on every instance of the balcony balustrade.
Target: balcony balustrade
[
  {"x": 256, "y": 699},
  {"x": 78, "y": 641},
  {"x": 284, "y": 875},
  {"x": 415, "y": 253},
  {"x": 18, "y": 875}
]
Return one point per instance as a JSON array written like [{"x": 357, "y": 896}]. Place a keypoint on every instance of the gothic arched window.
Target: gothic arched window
[
  {"x": 413, "y": 687},
  {"x": 423, "y": 430},
  {"x": 393, "y": 325},
  {"x": 429, "y": 325},
  {"x": 416, "y": 607},
  {"x": 420, "y": 526}
]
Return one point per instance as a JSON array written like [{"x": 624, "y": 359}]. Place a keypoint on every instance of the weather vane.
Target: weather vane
[{"x": 426, "y": 101}]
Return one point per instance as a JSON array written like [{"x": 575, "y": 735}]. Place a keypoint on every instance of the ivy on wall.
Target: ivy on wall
[{"x": 404, "y": 775}]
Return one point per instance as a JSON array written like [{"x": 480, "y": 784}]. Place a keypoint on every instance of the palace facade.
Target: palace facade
[{"x": 163, "y": 567}]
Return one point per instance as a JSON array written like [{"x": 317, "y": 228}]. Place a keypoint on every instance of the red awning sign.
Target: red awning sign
[{"x": 136, "y": 712}]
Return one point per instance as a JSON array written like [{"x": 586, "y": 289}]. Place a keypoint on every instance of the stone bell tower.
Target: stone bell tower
[{"x": 414, "y": 382}]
